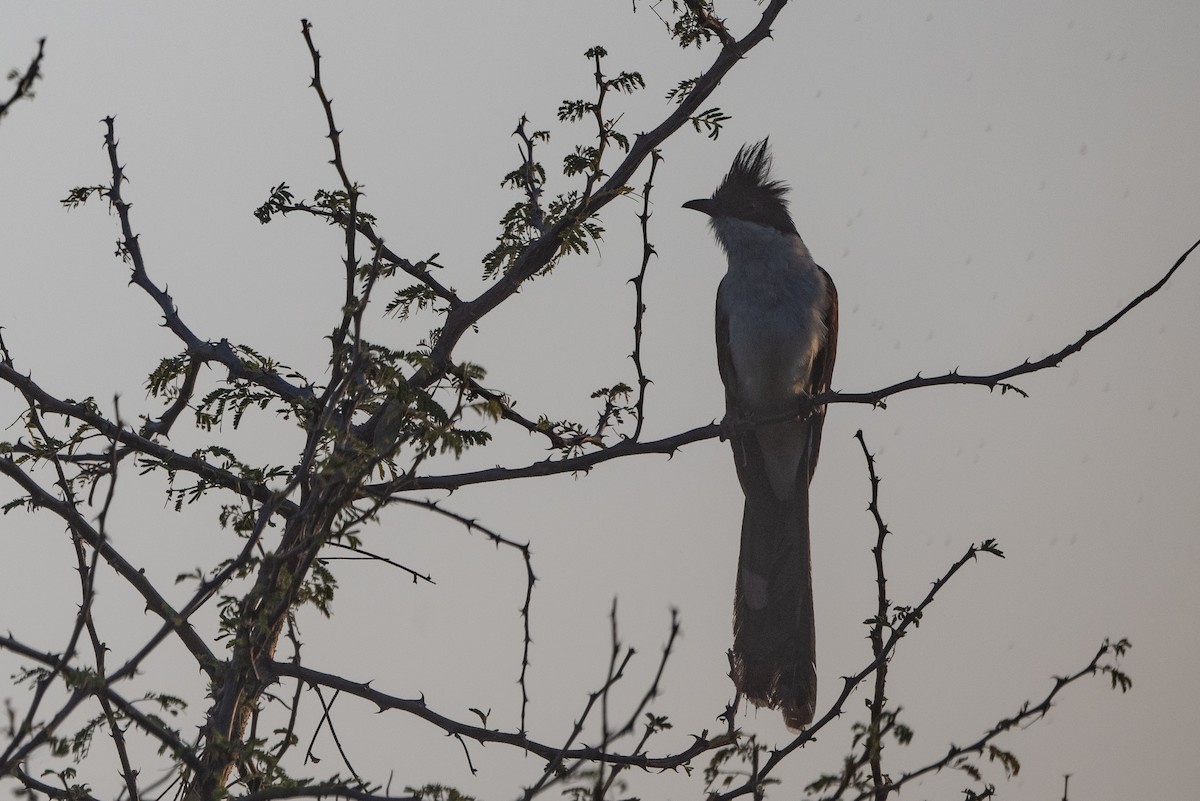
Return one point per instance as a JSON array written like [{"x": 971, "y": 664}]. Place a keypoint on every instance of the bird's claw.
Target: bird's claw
[{"x": 728, "y": 426}]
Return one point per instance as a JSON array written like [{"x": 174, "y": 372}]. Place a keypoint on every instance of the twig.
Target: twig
[
  {"x": 1026, "y": 714},
  {"x": 558, "y": 754},
  {"x": 321, "y": 791},
  {"x": 702, "y": 12},
  {"x": 532, "y": 177},
  {"x": 369, "y": 555},
  {"x": 507, "y": 412},
  {"x": 635, "y": 715},
  {"x": 87, "y": 573},
  {"x": 850, "y": 683},
  {"x": 327, "y": 719},
  {"x": 471, "y": 524},
  {"x": 873, "y": 746},
  {"x": 638, "y": 282},
  {"x": 419, "y": 270},
  {"x": 1001, "y": 378},
  {"x": 24, "y": 87},
  {"x": 163, "y": 424},
  {"x": 129, "y": 249}
]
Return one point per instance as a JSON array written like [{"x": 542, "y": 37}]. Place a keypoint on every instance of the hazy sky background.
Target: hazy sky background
[{"x": 983, "y": 180}]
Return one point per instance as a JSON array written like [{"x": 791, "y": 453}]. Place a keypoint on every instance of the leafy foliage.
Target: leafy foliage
[
  {"x": 279, "y": 201},
  {"x": 711, "y": 121},
  {"x": 567, "y": 214},
  {"x": 687, "y": 26},
  {"x": 682, "y": 90}
]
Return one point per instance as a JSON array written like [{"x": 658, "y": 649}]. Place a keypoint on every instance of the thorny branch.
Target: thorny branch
[
  {"x": 639, "y": 304},
  {"x": 883, "y": 649},
  {"x": 851, "y": 683},
  {"x": 472, "y": 525},
  {"x": 504, "y": 403},
  {"x": 557, "y": 755},
  {"x": 1000, "y": 380},
  {"x": 1025, "y": 714},
  {"x": 25, "y": 80},
  {"x": 668, "y": 445},
  {"x": 14, "y": 755},
  {"x": 222, "y": 353},
  {"x": 874, "y": 741},
  {"x": 533, "y": 178},
  {"x": 418, "y": 270}
]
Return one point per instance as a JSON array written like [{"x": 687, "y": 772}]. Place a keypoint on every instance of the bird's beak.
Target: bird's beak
[{"x": 704, "y": 205}]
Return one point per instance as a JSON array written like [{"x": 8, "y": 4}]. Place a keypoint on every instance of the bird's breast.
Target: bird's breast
[{"x": 775, "y": 330}]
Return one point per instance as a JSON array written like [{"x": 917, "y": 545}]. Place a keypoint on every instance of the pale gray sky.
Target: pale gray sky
[{"x": 984, "y": 181}]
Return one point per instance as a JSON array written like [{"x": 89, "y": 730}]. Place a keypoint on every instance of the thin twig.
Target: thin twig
[
  {"x": 129, "y": 249},
  {"x": 1025, "y": 715},
  {"x": 472, "y": 525},
  {"x": 639, "y": 282},
  {"x": 873, "y": 746},
  {"x": 24, "y": 87}
]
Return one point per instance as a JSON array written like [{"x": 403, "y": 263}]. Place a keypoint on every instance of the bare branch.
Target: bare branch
[
  {"x": 136, "y": 443},
  {"x": 419, "y": 270},
  {"x": 25, "y": 80},
  {"x": 222, "y": 353},
  {"x": 323, "y": 790},
  {"x": 1000, "y": 379},
  {"x": 472, "y": 525},
  {"x": 420, "y": 709},
  {"x": 1025, "y": 715},
  {"x": 639, "y": 282},
  {"x": 172, "y": 619},
  {"x": 873, "y": 746},
  {"x": 163, "y": 424},
  {"x": 669, "y": 445}
]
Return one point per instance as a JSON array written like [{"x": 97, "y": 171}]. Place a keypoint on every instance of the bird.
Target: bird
[{"x": 776, "y": 331}]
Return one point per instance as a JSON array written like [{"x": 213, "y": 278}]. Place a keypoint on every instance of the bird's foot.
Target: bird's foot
[
  {"x": 728, "y": 425},
  {"x": 804, "y": 405}
]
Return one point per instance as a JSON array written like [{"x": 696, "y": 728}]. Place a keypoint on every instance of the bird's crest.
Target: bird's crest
[
  {"x": 751, "y": 175},
  {"x": 749, "y": 193}
]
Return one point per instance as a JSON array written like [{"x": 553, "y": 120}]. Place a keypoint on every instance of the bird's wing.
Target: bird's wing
[
  {"x": 822, "y": 371},
  {"x": 724, "y": 357}
]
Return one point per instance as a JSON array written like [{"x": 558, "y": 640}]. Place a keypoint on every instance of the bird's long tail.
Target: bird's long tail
[{"x": 774, "y": 635}]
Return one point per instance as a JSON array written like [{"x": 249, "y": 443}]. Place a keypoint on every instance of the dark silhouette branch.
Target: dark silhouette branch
[
  {"x": 850, "y": 683},
  {"x": 1024, "y": 715},
  {"x": 173, "y": 620},
  {"x": 134, "y": 442},
  {"x": 668, "y": 445},
  {"x": 472, "y": 525},
  {"x": 639, "y": 305},
  {"x": 222, "y": 353},
  {"x": 1000, "y": 380},
  {"x": 322, "y": 790},
  {"x": 25, "y": 80},
  {"x": 419, "y": 708},
  {"x": 418, "y": 270},
  {"x": 873, "y": 746},
  {"x": 14, "y": 755}
]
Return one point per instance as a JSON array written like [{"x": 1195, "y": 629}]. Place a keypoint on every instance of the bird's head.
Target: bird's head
[{"x": 748, "y": 193}]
